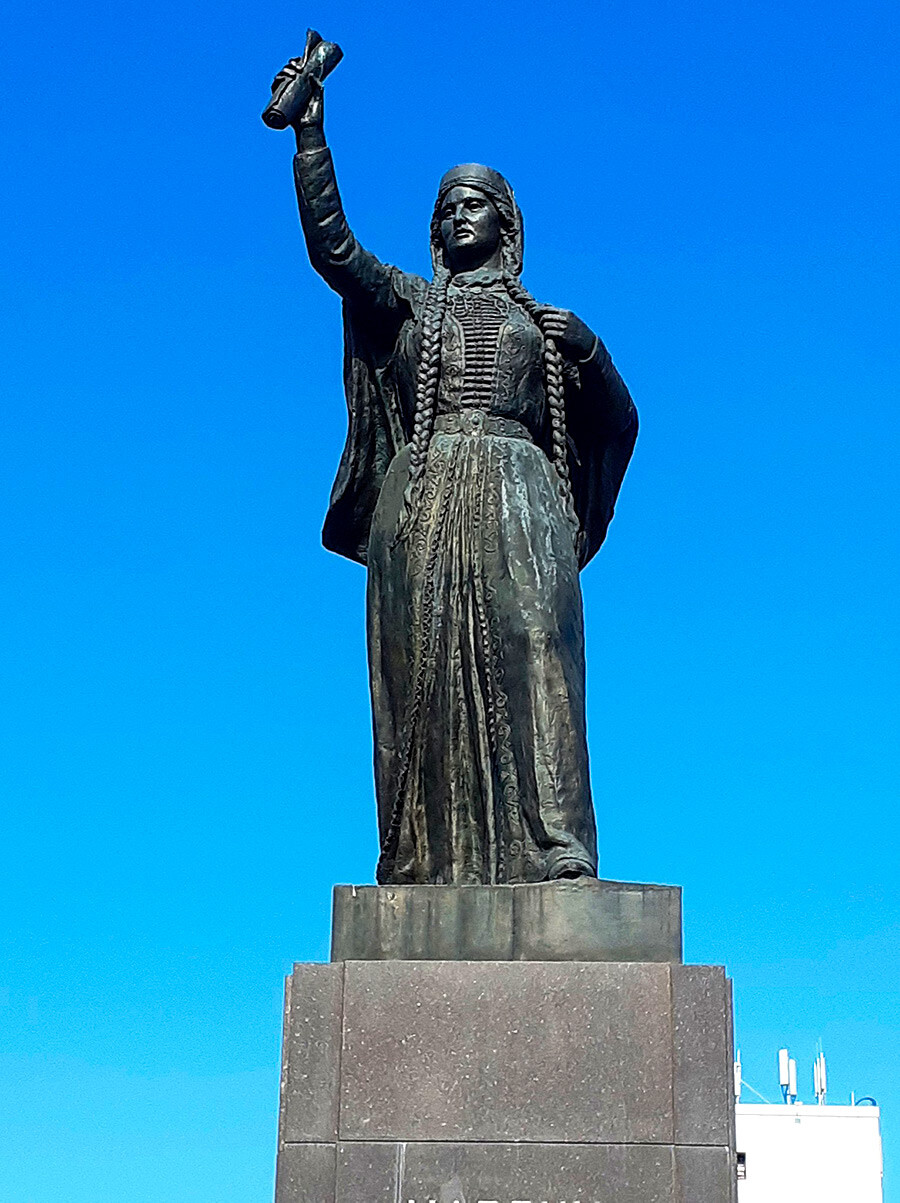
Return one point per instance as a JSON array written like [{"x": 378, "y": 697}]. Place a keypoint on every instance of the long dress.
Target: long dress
[{"x": 474, "y": 614}]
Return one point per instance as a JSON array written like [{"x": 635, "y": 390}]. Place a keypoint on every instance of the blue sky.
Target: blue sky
[{"x": 185, "y": 734}]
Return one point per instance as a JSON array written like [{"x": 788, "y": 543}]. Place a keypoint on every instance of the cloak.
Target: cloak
[{"x": 601, "y": 424}]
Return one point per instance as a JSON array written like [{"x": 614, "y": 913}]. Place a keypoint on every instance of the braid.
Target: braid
[
  {"x": 426, "y": 389},
  {"x": 554, "y": 386},
  {"x": 429, "y": 372}
]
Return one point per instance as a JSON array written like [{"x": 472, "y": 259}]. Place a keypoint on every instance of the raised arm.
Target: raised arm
[{"x": 333, "y": 249}]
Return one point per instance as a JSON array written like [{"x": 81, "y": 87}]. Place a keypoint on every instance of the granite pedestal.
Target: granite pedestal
[{"x": 514, "y": 1079}]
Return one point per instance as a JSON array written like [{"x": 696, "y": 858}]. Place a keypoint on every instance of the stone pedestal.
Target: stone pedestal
[
  {"x": 504, "y": 1080},
  {"x": 560, "y": 921}
]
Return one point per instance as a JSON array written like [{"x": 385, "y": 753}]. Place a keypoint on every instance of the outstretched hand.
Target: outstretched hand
[
  {"x": 290, "y": 70},
  {"x": 574, "y": 338},
  {"x": 308, "y": 124},
  {"x": 297, "y": 91}
]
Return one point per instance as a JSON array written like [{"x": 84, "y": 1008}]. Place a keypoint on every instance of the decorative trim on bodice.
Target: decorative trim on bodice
[{"x": 480, "y": 315}]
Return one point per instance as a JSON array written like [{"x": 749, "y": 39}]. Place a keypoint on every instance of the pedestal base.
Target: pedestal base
[
  {"x": 505, "y": 1081},
  {"x": 585, "y": 920},
  {"x": 503, "y": 1173}
]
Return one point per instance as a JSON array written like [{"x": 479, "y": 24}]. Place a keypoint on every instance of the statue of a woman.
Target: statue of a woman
[{"x": 488, "y": 437}]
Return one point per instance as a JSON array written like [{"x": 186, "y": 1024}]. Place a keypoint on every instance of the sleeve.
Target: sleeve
[
  {"x": 347, "y": 267},
  {"x": 600, "y": 377},
  {"x": 602, "y": 426}
]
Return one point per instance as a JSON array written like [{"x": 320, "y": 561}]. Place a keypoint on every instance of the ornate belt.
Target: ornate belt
[{"x": 476, "y": 421}]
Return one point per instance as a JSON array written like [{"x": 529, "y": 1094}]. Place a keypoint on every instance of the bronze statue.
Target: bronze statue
[{"x": 488, "y": 437}]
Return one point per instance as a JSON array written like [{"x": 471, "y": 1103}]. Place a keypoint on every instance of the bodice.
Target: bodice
[{"x": 491, "y": 356}]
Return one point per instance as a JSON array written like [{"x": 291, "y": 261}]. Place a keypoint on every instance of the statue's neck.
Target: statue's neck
[
  {"x": 493, "y": 262},
  {"x": 480, "y": 277}
]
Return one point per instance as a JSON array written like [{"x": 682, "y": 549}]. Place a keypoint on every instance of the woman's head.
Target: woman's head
[
  {"x": 470, "y": 229},
  {"x": 476, "y": 221}
]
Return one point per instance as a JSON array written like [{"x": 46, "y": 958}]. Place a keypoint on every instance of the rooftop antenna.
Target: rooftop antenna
[
  {"x": 784, "y": 1072},
  {"x": 787, "y": 1075},
  {"x": 820, "y": 1077}
]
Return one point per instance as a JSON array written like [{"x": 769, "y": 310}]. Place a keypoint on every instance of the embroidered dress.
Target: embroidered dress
[{"x": 475, "y": 627}]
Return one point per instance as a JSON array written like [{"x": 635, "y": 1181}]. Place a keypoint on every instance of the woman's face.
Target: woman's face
[{"x": 470, "y": 228}]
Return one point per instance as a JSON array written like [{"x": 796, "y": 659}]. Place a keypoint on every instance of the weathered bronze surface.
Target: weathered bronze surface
[
  {"x": 292, "y": 88},
  {"x": 488, "y": 437}
]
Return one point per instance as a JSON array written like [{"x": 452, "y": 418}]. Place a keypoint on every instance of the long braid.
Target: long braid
[
  {"x": 554, "y": 385},
  {"x": 427, "y": 380}
]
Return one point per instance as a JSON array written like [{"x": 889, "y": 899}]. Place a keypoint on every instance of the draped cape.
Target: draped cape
[{"x": 377, "y": 428}]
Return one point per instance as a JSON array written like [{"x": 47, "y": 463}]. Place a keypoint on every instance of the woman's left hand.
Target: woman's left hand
[{"x": 575, "y": 339}]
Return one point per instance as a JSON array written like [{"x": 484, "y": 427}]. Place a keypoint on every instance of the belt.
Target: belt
[{"x": 476, "y": 421}]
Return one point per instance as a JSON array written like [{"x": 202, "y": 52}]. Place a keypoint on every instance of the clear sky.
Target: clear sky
[{"x": 186, "y": 746}]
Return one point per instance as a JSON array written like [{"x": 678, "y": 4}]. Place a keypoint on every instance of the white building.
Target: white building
[{"x": 791, "y": 1153}]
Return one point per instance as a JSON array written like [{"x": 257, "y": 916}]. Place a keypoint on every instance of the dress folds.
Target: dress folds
[{"x": 478, "y": 701}]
